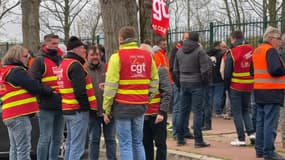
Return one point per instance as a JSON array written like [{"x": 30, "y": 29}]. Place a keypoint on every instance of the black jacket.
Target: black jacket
[
  {"x": 217, "y": 55},
  {"x": 275, "y": 69},
  {"x": 77, "y": 75},
  {"x": 192, "y": 64},
  {"x": 37, "y": 70},
  {"x": 19, "y": 77}
]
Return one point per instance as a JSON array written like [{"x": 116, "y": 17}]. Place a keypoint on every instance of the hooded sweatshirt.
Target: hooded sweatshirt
[{"x": 192, "y": 64}]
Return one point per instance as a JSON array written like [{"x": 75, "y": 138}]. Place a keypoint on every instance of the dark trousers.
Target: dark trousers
[{"x": 154, "y": 133}]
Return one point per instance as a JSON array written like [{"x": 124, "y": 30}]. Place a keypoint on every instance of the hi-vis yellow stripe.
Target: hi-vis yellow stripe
[
  {"x": 14, "y": 93},
  {"x": 20, "y": 102},
  {"x": 242, "y": 80},
  {"x": 70, "y": 90},
  {"x": 242, "y": 74},
  {"x": 130, "y": 91},
  {"x": 139, "y": 81},
  {"x": 154, "y": 100},
  {"x": 74, "y": 101},
  {"x": 50, "y": 78}
]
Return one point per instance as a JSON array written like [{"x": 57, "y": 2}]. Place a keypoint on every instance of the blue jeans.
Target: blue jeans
[
  {"x": 240, "y": 107},
  {"x": 207, "y": 113},
  {"x": 95, "y": 126},
  {"x": 216, "y": 96},
  {"x": 19, "y": 130},
  {"x": 192, "y": 98},
  {"x": 266, "y": 128},
  {"x": 130, "y": 135},
  {"x": 51, "y": 124},
  {"x": 77, "y": 126},
  {"x": 176, "y": 111}
]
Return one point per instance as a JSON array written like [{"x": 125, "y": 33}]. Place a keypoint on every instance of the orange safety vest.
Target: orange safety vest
[
  {"x": 135, "y": 76},
  {"x": 16, "y": 100},
  {"x": 262, "y": 79},
  {"x": 69, "y": 102},
  {"x": 241, "y": 79},
  {"x": 161, "y": 59}
]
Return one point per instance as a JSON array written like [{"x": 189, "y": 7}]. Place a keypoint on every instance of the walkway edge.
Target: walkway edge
[{"x": 181, "y": 155}]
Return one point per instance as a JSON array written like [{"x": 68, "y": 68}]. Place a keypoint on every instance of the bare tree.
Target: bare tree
[
  {"x": 6, "y": 7},
  {"x": 116, "y": 14},
  {"x": 283, "y": 17},
  {"x": 30, "y": 24},
  {"x": 272, "y": 12},
  {"x": 90, "y": 22},
  {"x": 64, "y": 12}
]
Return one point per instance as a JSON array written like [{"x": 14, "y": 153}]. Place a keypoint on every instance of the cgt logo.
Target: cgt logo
[{"x": 138, "y": 68}]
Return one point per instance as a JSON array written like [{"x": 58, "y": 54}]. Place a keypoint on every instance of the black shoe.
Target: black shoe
[
  {"x": 201, "y": 145},
  {"x": 276, "y": 156},
  {"x": 189, "y": 136},
  {"x": 206, "y": 128},
  {"x": 181, "y": 143}
]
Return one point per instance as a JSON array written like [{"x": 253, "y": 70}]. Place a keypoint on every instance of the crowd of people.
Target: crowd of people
[{"x": 130, "y": 96}]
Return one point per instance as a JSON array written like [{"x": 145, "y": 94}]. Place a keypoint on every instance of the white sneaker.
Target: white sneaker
[
  {"x": 252, "y": 139},
  {"x": 237, "y": 143}
]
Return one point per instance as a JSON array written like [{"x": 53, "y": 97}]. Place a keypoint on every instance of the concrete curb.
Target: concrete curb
[{"x": 175, "y": 155}]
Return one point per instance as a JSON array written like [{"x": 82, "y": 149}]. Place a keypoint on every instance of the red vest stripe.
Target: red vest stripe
[
  {"x": 135, "y": 66},
  {"x": 242, "y": 57},
  {"x": 16, "y": 100}
]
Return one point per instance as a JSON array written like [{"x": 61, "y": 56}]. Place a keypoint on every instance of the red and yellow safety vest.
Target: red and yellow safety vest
[
  {"x": 153, "y": 106},
  {"x": 69, "y": 102},
  {"x": 262, "y": 79},
  {"x": 49, "y": 77},
  {"x": 241, "y": 79},
  {"x": 16, "y": 100},
  {"x": 135, "y": 76}
]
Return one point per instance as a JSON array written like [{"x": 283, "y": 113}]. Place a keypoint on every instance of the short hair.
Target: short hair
[
  {"x": 48, "y": 37},
  {"x": 194, "y": 36},
  {"x": 127, "y": 32},
  {"x": 14, "y": 54},
  {"x": 270, "y": 32},
  {"x": 158, "y": 42},
  {"x": 147, "y": 41},
  {"x": 237, "y": 35},
  {"x": 217, "y": 43}
]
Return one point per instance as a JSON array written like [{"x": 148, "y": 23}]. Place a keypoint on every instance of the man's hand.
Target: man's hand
[
  {"x": 106, "y": 119},
  {"x": 159, "y": 118}
]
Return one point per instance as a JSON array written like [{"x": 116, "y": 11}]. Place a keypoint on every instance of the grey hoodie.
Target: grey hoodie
[{"x": 192, "y": 65}]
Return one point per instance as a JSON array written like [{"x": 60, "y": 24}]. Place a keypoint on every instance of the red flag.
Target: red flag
[{"x": 160, "y": 17}]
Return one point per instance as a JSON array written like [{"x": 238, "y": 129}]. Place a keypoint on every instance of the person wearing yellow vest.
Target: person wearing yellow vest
[
  {"x": 131, "y": 82},
  {"x": 18, "y": 90},
  {"x": 269, "y": 85},
  {"x": 239, "y": 84},
  {"x": 77, "y": 98},
  {"x": 51, "y": 122},
  {"x": 155, "y": 118}
]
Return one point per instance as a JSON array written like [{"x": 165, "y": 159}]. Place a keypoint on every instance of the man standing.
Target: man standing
[
  {"x": 193, "y": 66},
  {"x": 239, "y": 84},
  {"x": 96, "y": 70},
  {"x": 77, "y": 98},
  {"x": 269, "y": 77},
  {"x": 176, "y": 94},
  {"x": 131, "y": 82},
  {"x": 51, "y": 122}
]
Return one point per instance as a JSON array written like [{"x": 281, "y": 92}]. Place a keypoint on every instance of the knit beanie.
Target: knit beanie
[{"x": 73, "y": 42}]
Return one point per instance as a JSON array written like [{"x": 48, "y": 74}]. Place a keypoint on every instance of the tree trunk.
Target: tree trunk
[
  {"x": 272, "y": 12},
  {"x": 283, "y": 17},
  {"x": 30, "y": 24},
  {"x": 229, "y": 15},
  {"x": 236, "y": 7},
  {"x": 66, "y": 27},
  {"x": 116, "y": 14}
]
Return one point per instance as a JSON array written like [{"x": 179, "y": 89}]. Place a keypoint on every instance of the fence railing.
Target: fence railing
[{"x": 253, "y": 31}]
